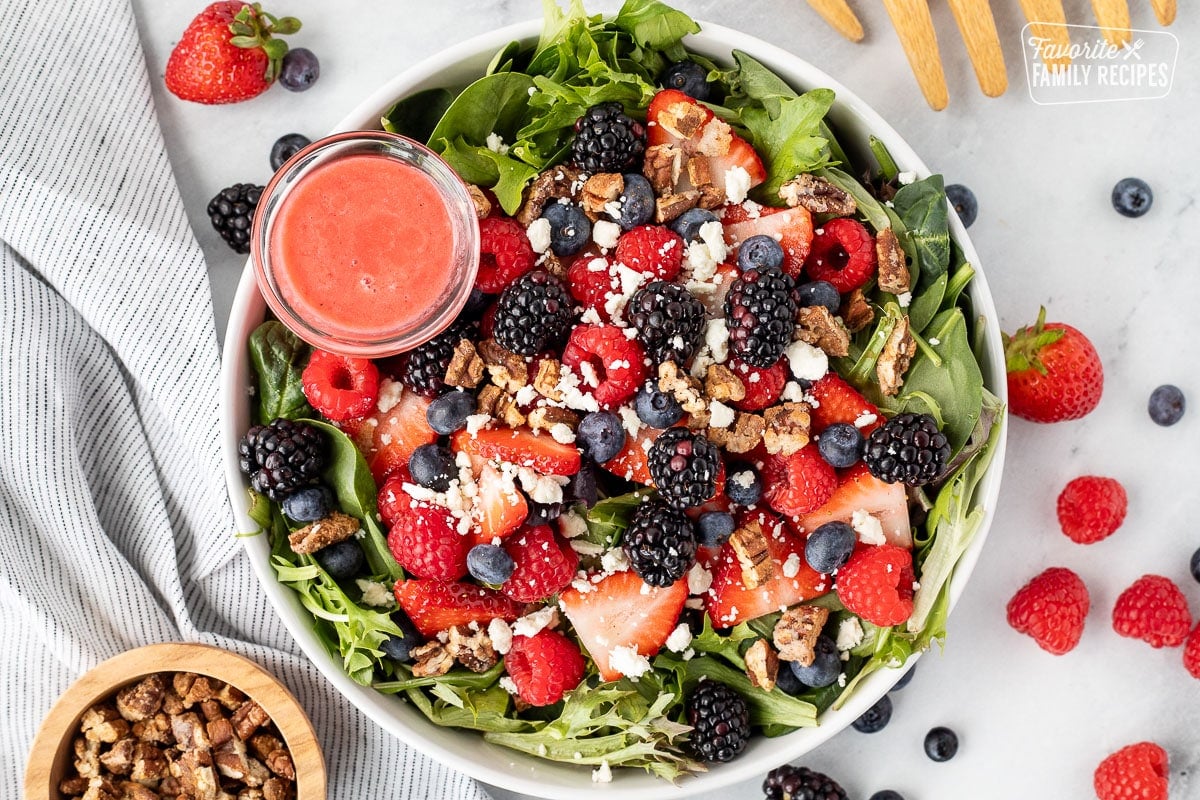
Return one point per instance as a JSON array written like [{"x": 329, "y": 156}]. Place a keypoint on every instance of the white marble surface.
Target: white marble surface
[{"x": 1031, "y": 725}]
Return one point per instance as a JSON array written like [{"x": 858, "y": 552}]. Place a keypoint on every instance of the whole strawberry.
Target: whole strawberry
[
  {"x": 1136, "y": 772},
  {"x": 1153, "y": 610},
  {"x": 1051, "y": 609},
  {"x": 1054, "y": 373},
  {"x": 228, "y": 54},
  {"x": 1091, "y": 508}
]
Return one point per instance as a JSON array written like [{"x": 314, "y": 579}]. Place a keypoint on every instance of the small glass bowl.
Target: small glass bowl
[{"x": 465, "y": 252}]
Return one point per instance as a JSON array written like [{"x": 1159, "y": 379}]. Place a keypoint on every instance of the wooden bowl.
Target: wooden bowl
[{"x": 50, "y": 756}]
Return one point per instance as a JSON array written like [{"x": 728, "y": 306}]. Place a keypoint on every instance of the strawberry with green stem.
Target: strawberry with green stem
[{"x": 1054, "y": 372}]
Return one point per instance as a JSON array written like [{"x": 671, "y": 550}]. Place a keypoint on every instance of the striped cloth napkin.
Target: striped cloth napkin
[{"x": 115, "y": 529}]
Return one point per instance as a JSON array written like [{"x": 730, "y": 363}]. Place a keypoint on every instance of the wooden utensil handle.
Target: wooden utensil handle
[
  {"x": 914, "y": 26},
  {"x": 840, "y": 17},
  {"x": 978, "y": 28}
]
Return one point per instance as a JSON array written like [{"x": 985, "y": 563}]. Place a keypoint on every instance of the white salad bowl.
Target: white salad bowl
[{"x": 853, "y": 120}]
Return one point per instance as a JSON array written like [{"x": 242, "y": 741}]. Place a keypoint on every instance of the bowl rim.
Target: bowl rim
[
  {"x": 58, "y": 729},
  {"x": 775, "y": 751}
]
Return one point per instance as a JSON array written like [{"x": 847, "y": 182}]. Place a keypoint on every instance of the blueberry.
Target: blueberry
[
  {"x": 287, "y": 146},
  {"x": 1167, "y": 405},
  {"x": 841, "y": 445},
  {"x": 887, "y": 794},
  {"x": 449, "y": 412},
  {"x": 819, "y": 293},
  {"x": 1195, "y": 565},
  {"x": 433, "y": 467},
  {"x": 489, "y": 563},
  {"x": 689, "y": 78},
  {"x": 1132, "y": 197},
  {"x": 343, "y": 560},
  {"x": 825, "y": 668},
  {"x": 963, "y": 201},
  {"x": 543, "y": 513},
  {"x": 941, "y": 744},
  {"x": 308, "y": 505},
  {"x": 875, "y": 718},
  {"x": 399, "y": 648},
  {"x": 830, "y": 546},
  {"x": 713, "y": 528},
  {"x": 788, "y": 683},
  {"x": 637, "y": 202},
  {"x": 760, "y": 252},
  {"x": 743, "y": 486},
  {"x": 656, "y": 409},
  {"x": 570, "y": 229},
  {"x": 601, "y": 435},
  {"x": 477, "y": 303},
  {"x": 300, "y": 69},
  {"x": 582, "y": 486},
  {"x": 906, "y": 680},
  {"x": 688, "y": 224}
]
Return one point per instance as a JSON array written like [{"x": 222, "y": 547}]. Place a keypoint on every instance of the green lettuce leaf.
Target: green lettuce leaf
[{"x": 278, "y": 357}]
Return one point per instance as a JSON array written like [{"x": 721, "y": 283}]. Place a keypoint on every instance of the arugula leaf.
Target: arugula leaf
[
  {"x": 478, "y": 681},
  {"x": 417, "y": 115},
  {"x": 654, "y": 24},
  {"x": 922, "y": 206},
  {"x": 609, "y": 518},
  {"x": 728, "y": 645},
  {"x": 481, "y": 711},
  {"x": 790, "y": 142},
  {"x": 278, "y": 357}
]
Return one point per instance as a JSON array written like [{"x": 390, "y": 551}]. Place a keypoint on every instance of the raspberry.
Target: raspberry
[
  {"x": 545, "y": 564},
  {"x": 504, "y": 253},
  {"x": 652, "y": 250},
  {"x": 1051, "y": 608},
  {"x": 615, "y": 360},
  {"x": 1153, "y": 610},
  {"x": 877, "y": 584},
  {"x": 799, "y": 483},
  {"x": 1136, "y": 772},
  {"x": 340, "y": 388},
  {"x": 589, "y": 279},
  {"x": 544, "y": 667},
  {"x": 393, "y": 501},
  {"x": 426, "y": 543},
  {"x": 1090, "y": 508},
  {"x": 763, "y": 385},
  {"x": 843, "y": 253},
  {"x": 1191, "y": 653}
]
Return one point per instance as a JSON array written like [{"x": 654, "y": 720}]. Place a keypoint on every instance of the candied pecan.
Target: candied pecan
[
  {"x": 103, "y": 724},
  {"x": 796, "y": 633},
  {"x": 220, "y": 731},
  {"x": 472, "y": 649},
  {"x": 683, "y": 120},
  {"x": 546, "y": 381},
  {"x": 544, "y": 418},
  {"x": 431, "y": 658},
  {"x": 465, "y": 369},
  {"x": 87, "y": 757},
  {"x": 275, "y": 789},
  {"x": 483, "y": 206},
  {"x": 662, "y": 167},
  {"x": 149, "y": 763},
  {"x": 856, "y": 312},
  {"x": 894, "y": 276},
  {"x": 556, "y": 182},
  {"x": 720, "y": 383},
  {"x": 600, "y": 190},
  {"x": 742, "y": 436},
  {"x": 817, "y": 326},
  {"x": 762, "y": 665},
  {"x": 683, "y": 387},
  {"x": 143, "y": 699},
  {"x": 337, "y": 527},
  {"x": 157, "y": 729},
  {"x": 670, "y": 206},
  {"x": 73, "y": 786},
  {"x": 786, "y": 428},
  {"x": 749, "y": 543},
  {"x": 894, "y": 360},
  {"x": 248, "y": 718},
  {"x": 507, "y": 370},
  {"x": 118, "y": 759},
  {"x": 818, "y": 196}
]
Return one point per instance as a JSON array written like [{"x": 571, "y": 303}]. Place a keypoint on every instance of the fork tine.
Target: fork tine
[
  {"x": 978, "y": 28},
  {"x": 1113, "y": 16},
  {"x": 1164, "y": 10},
  {"x": 840, "y": 16},
  {"x": 1049, "y": 11},
  {"x": 914, "y": 26}
]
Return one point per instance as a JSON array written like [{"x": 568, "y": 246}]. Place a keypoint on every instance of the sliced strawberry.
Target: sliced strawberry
[
  {"x": 676, "y": 118},
  {"x": 838, "y": 401},
  {"x": 859, "y": 490},
  {"x": 619, "y": 612},
  {"x": 763, "y": 386},
  {"x": 730, "y": 602},
  {"x": 741, "y": 154},
  {"x": 714, "y": 301},
  {"x": 667, "y": 105},
  {"x": 791, "y": 227},
  {"x": 632, "y": 463},
  {"x": 520, "y": 446},
  {"x": 545, "y": 564},
  {"x": 499, "y": 507},
  {"x": 434, "y": 606},
  {"x": 387, "y": 439}
]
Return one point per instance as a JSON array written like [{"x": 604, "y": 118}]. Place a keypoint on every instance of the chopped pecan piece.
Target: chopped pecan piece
[
  {"x": 488, "y": 399},
  {"x": 786, "y": 428},
  {"x": 465, "y": 369},
  {"x": 149, "y": 763},
  {"x": 220, "y": 731},
  {"x": 73, "y": 787},
  {"x": 552, "y": 184},
  {"x": 699, "y": 419},
  {"x": 279, "y": 761},
  {"x": 670, "y": 206},
  {"x": 700, "y": 176},
  {"x": 750, "y": 545},
  {"x": 507, "y": 370},
  {"x": 189, "y": 732},
  {"x": 742, "y": 436},
  {"x": 196, "y": 776},
  {"x": 211, "y": 710},
  {"x": 796, "y": 633},
  {"x": 473, "y": 649},
  {"x": 546, "y": 381},
  {"x": 552, "y": 264},
  {"x": 683, "y": 120},
  {"x": 544, "y": 418},
  {"x": 897, "y": 354},
  {"x": 337, "y": 527},
  {"x": 817, "y": 195},
  {"x": 508, "y": 411},
  {"x": 135, "y": 791},
  {"x": 263, "y": 744},
  {"x": 103, "y": 724},
  {"x": 663, "y": 166},
  {"x": 173, "y": 702},
  {"x": 157, "y": 729},
  {"x": 894, "y": 276},
  {"x": 143, "y": 699},
  {"x": 711, "y": 196},
  {"x": 817, "y": 326},
  {"x": 856, "y": 312},
  {"x": 275, "y": 789},
  {"x": 720, "y": 383},
  {"x": 431, "y": 658},
  {"x": 600, "y": 190},
  {"x": 87, "y": 757},
  {"x": 483, "y": 206},
  {"x": 102, "y": 788},
  {"x": 683, "y": 387},
  {"x": 248, "y": 718},
  {"x": 201, "y": 689},
  {"x": 118, "y": 759},
  {"x": 762, "y": 665}
]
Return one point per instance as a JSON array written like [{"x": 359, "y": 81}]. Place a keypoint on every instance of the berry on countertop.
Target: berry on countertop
[
  {"x": 490, "y": 564},
  {"x": 841, "y": 444},
  {"x": 760, "y": 252},
  {"x": 1191, "y": 653},
  {"x": 1091, "y": 508},
  {"x": 533, "y": 315},
  {"x": 669, "y": 321},
  {"x": 544, "y": 667},
  {"x": 427, "y": 544},
  {"x": 687, "y": 77},
  {"x": 1195, "y": 565},
  {"x": 688, "y": 224},
  {"x": 1054, "y": 372},
  {"x": 825, "y": 668},
  {"x": 909, "y": 674},
  {"x": 886, "y": 794},
  {"x": 764, "y": 386},
  {"x": 231, "y": 213},
  {"x": 339, "y": 387},
  {"x": 308, "y": 505},
  {"x": 819, "y": 293},
  {"x": 615, "y": 360},
  {"x": 524, "y": 448},
  {"x": 424, "y": 367},
  {"x": 448, "y": 413},
  {"x": 799, "y": 483},
  {"x": 282, "y": 457},
  {"x": 843, "y": 253},
  {"x": 399, "y": 648},
  {"x": 800, "y": 783},
  {"x": 684, "y": 466},
  {"x": 760, "y": 313},
  {"x": 228, "y": 53},
  {"x": 342, "y": 560},
  {"x": 652, "y": 250},
  {"x": 1136, "y": 772},
  {"x": 1166, "y": 405},
  {"x": 830, "y": 546},
  {"x": 1132, "y": 197},
  {"x": 877, "y": 584},
  {"x": 434, "y": 606},
  {"x": 963, "y": 201},
  {"x": 287, "y": 146},
  {"x": 545, "y": 564},
  {"x": 433, "y": 467},
  {"x": 570, "y": 228},
  {"x": 656, "y": 408},
  {"x": 300, "y": 70},
  {"x": 720, "y": 721},
  {"x": 606, "y": 140},
  {"x": 637, "y": 202},
  {"x": 600, "y": 435},
  {"x": 505, "y": 253},
  {"x": 743, "y": 486},
  {"x": 1051, "y": 609},
  {"x": 660, "y": 543},
  {"x": 1154, "y": 610},
  {"x": 941, "y": 744},
  {"x": 875, "y": 718},
  {"x": 714, "y": 527},
  {"x": 908, "y": 449}
]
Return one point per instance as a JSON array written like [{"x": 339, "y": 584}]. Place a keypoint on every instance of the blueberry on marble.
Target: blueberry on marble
[
  {"x": 600, "y": 435},
  {"x": 841, "y": 445},
  {"x": 819, "y": 293},
  {"x": 875, "y": 718},
  {"x": 489, "y": 563},
  {"x": 760, "y": 252},
  {"x": 300, "y": 69},
  {"x": 830, "y": 546},
  {"x": 570, "y": 228},
  {"x": 1167, "y": 405},
  {"x": 963, "y": 201},
  {"x": 906, "y": 680},
  {"x": 399, "y": 648},
  {"x": 449, "y": 412},
  {"x": 342, "y": 560},
  {"x": 887, "y": 794},
  {"x": 433, "y": 467},
  {"x": 309, "y": 504},
  {"x": 744, "y": 486},
  {"x": 287, "y": 146},
  {"x": 1195, "y": 565},
  {"x": 688, "y": 77},
  {"x": 714, "y": 527},
  {"x": 656, "y": 408},
  {"x": 637, "y": 202},
  {"x": 1132, "y": 197},
  {"x": 824, "y": 669},
  {"x": 941, "y": 744},
  {"x": 688, "y": 224}
]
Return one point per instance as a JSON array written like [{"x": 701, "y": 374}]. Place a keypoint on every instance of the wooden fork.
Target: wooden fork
[
  {"x": 1113, "y": 16},
  {"x": 914, "y": 26},
  {"x": 978, "y": 29},
  {"x": 1039, "y": 12},
  {"x": 841, "y": 17}
]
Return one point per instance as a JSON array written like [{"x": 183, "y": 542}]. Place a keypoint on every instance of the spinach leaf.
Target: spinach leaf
[
  {"x": 922, "y": 207},
  {"x": 654, "y": 24},
  {"x": 609, "y": 518},
  {"x": 278, "y": 357},
  {"x": 417, "y": 115},
  {"x": 926, "y": 303},
  {"x": 505, "y": 59},
  {"x": 775, "y": 707}
]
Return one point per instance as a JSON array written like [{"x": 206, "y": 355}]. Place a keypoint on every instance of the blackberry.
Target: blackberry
[
  {"x": 908, "y": 449},
  {"x": 282, "y": 457},
  {"x": 424, "y": 371},
  {"x": 533, "y": 314},
  {"x": 606, "y": 140},
  {"x": 684, "y": 466},
  {"x": 669, "y": 321},
  {"x": 232, "y": 212},
  {"x": 660, "y": 543},
  {"x": 720, "y": 721},
  {"x": 801, "y": 783},
  {"x": 760, "y": 313}
]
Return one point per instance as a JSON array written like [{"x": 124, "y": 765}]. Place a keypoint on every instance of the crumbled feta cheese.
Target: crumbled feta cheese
[
  {"x": 744, "y": 479},
  {"x": 864, "y": 419},
  {"x": 904, "y": 299},
  {"x": 721, "y": 415},
  {"x": 699, "y": 579},
  {"x": 850, "y": 634},
  {"x": 605, "y": 233},
  {"x": 590, "y": 378},
  {"x": 508, "y": 685},
  {"x": 791, "y": 567},
  {"x": 531, "y": 624},
  {"x": 680, "y": 638},
  {"x": 933, "y": 340},
  {"x": 602, "y": 773},
  {"x": 613, "y": 208},
  {"x": 374, "y": 593},
  {"x": 496, "y": 144},
  {"x": 626, "y": 660},
  {"x": 501, "y": 635},
  {"x": 716, "y": 338},
  {"x": 807, "y": 362},
  {"x": 571, "y": 525},
  {"x": 629, "y": 420},
  {"x": 568, "y": 386},
  {"x": 701, "y": 362},
  {"x": 737, "y": 184},
  {"x": 842, "y": 680},
  {"x": 704, "y": 255},
  {"x": 591, "y": 317},
  {"x": 615, "y": 560},
  {"x": 477, "y": 422},
  {"x": 586, "y": 548},
  {"x": 562, "y": 433},
  {"x": 539, "y": 234},
  {"x": 390, "y": 392},
  {"x": 792, "y": 392},
  {"x": 905, "y": 178},
  {"x": 868, "y": 528},
  {"x": 525, "y": 395}
]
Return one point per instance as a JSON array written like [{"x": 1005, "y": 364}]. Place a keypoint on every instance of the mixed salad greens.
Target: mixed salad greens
[{"x": 531, "y": 97}]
